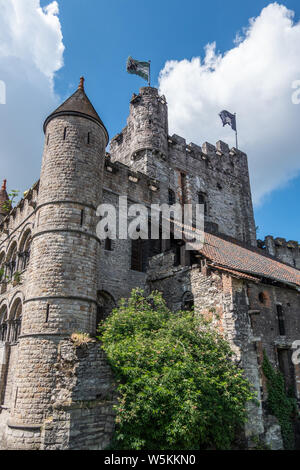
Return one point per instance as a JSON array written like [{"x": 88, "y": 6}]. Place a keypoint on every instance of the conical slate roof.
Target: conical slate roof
[
  {"x": 3, "y": 197},
  {"x": 77, "y": 105}
]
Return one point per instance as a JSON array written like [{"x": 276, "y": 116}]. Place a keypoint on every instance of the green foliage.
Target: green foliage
[
  {"x": 17, "y": 278},
  {"x": 259, "y": 444},
  {"x": 280, "y": 404},
  {"x": 178, "y": 388},
  {"x": 8, "y": 205}
]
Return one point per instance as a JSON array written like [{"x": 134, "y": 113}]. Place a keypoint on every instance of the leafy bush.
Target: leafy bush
[{"x": 177, "y": 385}]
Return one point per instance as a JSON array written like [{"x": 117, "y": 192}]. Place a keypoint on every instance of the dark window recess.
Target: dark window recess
[
  {"x": 177, "y": 252},
  {"x": 136, "y": 255},
  {"x": 183, "y": 188},
  {"x": 89, "y": 138},
  {"x": 82, "y": 217},
  {"x": 105, "y": 304},
  {"x": 47, "y": 313},
  {"x": 202, "y": 199},
  {"x": 48, "y": 138},
  {"x": 193, "y": 258},
  {"x": 172, "y": 198},
  {"x": 108, "y": 244},
  {"x": 280, "y": 317},
  {"x": 261, "y": 297},
  {"x": 65, "y": 133},
  {"x": 187, "y": 301}
]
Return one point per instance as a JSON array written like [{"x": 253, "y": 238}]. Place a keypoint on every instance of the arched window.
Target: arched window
[
  {"x": 15, "y": 321},
  {"x": 187, "y": 301},
  {"x": 105, "y": 304},
  {"x": 24, "y": 252},
  {"x": 262, "y": 297},
  {"x": 2, "y": 266},
  {"x": 3, "y": 323},
  {"x": 11, "y": 261}
]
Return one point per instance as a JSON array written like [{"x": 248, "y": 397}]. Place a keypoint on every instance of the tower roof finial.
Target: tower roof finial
[
  {"x": 4, "y": 185},
  {"x": 81, "y": 84}
]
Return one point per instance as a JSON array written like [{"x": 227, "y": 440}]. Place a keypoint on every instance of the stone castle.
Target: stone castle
[{"x": 58, "y": 278}]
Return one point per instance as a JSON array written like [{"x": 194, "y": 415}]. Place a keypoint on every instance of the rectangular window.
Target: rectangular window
[
  {"x": 108, "y": 244},
  {"x": 65, "y": 133},
  {"x": 89, "y": 138},
  {"x": 172, "y": 197},
  {"x": 280, "y": 317},
  {"x": 202, "y": 199}
]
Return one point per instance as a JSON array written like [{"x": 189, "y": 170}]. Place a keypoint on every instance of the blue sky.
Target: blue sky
[{"x": 98, "y": 36}]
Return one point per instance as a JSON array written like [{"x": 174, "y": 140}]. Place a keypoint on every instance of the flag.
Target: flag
[
  {"x": 139, "y": 68},
  {"x": 228, "y": 118}
]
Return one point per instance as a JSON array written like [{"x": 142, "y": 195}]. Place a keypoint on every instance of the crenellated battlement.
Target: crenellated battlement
[
  {"x": 215, "y": 173},
  {"x": 287, "y": 251}
]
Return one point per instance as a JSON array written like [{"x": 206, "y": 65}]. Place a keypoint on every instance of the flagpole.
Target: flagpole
[
  {"x": 236, "y": 134},
  {"x": 149, "y": 81}
]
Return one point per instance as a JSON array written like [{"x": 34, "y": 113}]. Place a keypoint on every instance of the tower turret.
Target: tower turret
[
  {"x": 145, "y": 138},
  {"x": 62, "y": 275}
]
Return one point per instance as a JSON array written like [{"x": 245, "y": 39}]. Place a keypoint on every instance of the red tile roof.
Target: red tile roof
[{"x": 228, "y": 254}]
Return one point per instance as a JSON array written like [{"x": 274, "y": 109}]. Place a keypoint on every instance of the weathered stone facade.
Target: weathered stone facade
[{"x": 59, "y": 279}]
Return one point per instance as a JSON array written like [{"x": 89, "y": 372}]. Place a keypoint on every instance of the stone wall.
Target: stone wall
[{"x": 82, "y": 400}]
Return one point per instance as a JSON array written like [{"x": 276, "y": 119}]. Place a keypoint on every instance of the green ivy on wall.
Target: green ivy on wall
[{"x": 280, "y": 404}]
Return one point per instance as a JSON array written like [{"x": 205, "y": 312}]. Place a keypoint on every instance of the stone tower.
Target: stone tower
[
  {"x": 144, "y": 141},
  {"x": 62, "y": 288}
]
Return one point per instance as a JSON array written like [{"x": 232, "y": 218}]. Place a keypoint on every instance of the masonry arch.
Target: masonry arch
[
  {"x": 24, "y": 250},
  {"x": 2, "y": 265},
  {"x": 11, "y": 259},
  {"x": 105, "y": 304},
  {"x": 3, "y": 322},
  {"x": 15, "y": 320},
  {"x": 187, "y": 302}
]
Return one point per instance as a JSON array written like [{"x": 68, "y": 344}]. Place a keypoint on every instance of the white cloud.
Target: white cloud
[
  {"x": 31, "y": 51},
  {"x": 253, "y": 79}
]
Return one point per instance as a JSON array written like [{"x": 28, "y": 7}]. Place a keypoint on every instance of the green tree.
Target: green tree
[{"x": 178, "y": 387}]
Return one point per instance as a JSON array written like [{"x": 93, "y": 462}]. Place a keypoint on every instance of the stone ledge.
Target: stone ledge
[{"x": 30, "y": 427}]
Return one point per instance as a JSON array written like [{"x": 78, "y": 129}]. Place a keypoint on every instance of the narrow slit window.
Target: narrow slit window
[
  {"x": 47, "y": 313},
  {"x": 89, "y": 138},
  {"x": 82, "y": 217},
  {"x": 65, "y": 133},
  {"x": 48, "y": 138}
]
